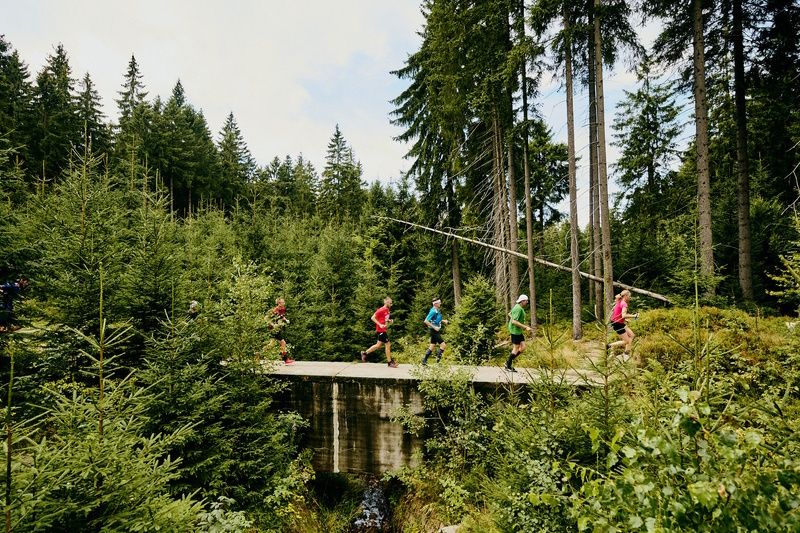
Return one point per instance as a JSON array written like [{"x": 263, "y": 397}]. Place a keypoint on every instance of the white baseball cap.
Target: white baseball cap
[{"x": 522, "y": 298}]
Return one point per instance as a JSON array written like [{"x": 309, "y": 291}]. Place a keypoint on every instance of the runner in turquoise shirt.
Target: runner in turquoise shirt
[{"x": 434, "y": 322}]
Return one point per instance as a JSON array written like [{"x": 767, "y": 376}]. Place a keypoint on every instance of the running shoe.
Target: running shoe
[
  {"x": 363, "y": 356},
  {"x": 509, "y": 369},
  {"x": 288, "y": 361},
  {"x": 392, "y": 364}
]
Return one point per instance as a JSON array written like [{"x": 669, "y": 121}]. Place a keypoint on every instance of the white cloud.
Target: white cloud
[{"x": 265, "y": 61}]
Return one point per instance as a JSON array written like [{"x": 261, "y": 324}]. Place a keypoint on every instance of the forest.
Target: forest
[{"x": 123, "y": 411}]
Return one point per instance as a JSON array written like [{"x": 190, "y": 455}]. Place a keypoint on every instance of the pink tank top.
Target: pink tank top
[{"x": 619, "y": 308}]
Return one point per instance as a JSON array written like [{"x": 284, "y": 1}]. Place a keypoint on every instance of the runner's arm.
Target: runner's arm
[
  {"x": 519, "y": 324},
  {"x": 427, "y": 323},
  {"x": 375, "y": 319}
]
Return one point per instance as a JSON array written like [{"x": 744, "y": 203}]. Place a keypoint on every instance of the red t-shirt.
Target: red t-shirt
[
  {"x": 381, "y": 315},
  {"x": 619, "y": 309}
]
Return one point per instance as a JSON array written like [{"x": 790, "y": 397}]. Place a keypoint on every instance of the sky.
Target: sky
[{"x": 288, "y": 70}]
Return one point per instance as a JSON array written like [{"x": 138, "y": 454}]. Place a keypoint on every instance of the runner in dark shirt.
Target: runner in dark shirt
[
  {"x": 277, "y": 321},
  {"x": 9, "y": 292}
]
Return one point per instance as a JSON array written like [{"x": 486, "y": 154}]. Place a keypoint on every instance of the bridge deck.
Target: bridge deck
[{"x": 489, "y": 375}]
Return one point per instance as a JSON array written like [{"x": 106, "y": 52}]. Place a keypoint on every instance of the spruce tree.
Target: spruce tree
[
  {"x": 91, "y": 119},
  {"x": 132, "y": 93},
  {"x": 185, "y": 155},
  {"x": 236, "y": 164},
  {"x": 305, "y": 184},
  {"x": 15, "y": 102},
  {"x": 57, "y": 128},
  {"x": 647, "y": 128},
  {"x": 136, "y": 130},
  {"x": 340, "y": 194}
]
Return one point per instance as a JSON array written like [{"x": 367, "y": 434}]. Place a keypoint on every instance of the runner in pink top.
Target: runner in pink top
[
  {"x": 618, "y": 317},
  {"x": 382, "y": 319}
]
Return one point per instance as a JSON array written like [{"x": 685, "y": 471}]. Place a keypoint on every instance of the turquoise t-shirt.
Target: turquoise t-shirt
[
  {"x": 434, "y": 317},
  {"x": 518, "y": 314}
]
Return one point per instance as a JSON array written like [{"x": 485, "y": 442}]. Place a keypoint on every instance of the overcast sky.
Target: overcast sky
[{"x": 289, "y": 70}]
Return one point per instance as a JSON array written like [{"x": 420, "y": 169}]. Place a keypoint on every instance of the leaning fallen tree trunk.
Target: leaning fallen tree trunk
[{"x": 550, "y": 264}]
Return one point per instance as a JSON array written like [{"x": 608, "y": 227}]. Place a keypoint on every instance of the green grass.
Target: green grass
[{"x": 661, "y": 334}]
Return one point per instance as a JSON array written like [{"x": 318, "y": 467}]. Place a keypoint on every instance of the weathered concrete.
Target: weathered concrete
[
  {"x": 349, "y": 407},
  {"x": 493, "y": 375}
]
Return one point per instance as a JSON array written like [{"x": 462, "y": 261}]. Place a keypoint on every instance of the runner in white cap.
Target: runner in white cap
[{"x": 517, "y": 327}]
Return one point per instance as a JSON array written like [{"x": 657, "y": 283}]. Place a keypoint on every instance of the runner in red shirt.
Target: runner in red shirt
[{"x": 382, "y": 320}]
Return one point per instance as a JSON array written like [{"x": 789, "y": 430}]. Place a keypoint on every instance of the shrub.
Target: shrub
[{"x": 475, "y": 321}]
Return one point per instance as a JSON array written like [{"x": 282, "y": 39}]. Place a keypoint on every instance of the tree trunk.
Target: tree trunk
[
  {"x": 594, "y": 204},
  {"x": 527, "y": 192},
  {"x": 573, "y": 193},
  {"x": 701, "y": 140},
  {"x": 503, "y": 214},
  {"x": 513, "y": 223},
  {"x": 602, "y": 177},
  {"x": 511, "y": 205},
  {"x": 456, "y": 274},
  {"x": 742, "y": 158},
  {"x": 498, "y": 217},
  {"x": 452, "y": 220}
]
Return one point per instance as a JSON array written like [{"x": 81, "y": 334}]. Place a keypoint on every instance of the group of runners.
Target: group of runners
[
  {"x": 277, "y": 320},
  {"x": 517, "y": 327}
]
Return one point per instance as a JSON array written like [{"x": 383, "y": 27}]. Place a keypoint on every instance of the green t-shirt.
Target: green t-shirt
[{"x": 518, "y": 314}]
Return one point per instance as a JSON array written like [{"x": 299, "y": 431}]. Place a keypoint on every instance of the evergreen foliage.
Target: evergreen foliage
[
  {"x": 340, "y": 188},
  {"x": 120, "y": 226},
  {"x": 475, "y": 322}
]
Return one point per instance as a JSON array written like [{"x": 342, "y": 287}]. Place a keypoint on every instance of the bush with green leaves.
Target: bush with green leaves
[
  {"x": 455, "y": 422},
  {"x": 209, "y": 374},
  {"x": 699, "y": 464},
  {"x": 67, "y": 475},
  {"x": 475, "y": 322},
  {"x": 788, "y": 280}
]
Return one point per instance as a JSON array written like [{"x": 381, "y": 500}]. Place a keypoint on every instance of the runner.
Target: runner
[
  {"x": 618, "y": 317},
  {"x": 382, "y": 321},
  {"x": 434, "y": 322},
  {"x": 277, "y": 321},
  {"x": 194, "y": 309},
  {"x": 10, "y": 291},
  {"x": 517, "y": 328}
]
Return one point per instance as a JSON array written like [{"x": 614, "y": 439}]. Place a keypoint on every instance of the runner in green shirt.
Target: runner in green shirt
[{"x": 517, "y": 328}]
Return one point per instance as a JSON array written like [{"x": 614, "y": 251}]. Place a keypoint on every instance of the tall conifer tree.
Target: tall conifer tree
[
  {"x": 57, "y": 124},
  {"x": 15, "y": 101},
  {"x": 340, "y": 194},
  {"x": 91, "y": 118}
]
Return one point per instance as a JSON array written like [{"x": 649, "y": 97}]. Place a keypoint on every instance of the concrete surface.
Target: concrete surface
[
  {"x": 349, "y": 408},
  {"x": 495, "y": 375}
]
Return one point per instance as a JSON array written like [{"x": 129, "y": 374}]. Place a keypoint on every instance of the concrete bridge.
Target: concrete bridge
[{"x": 349, "y": 408}]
